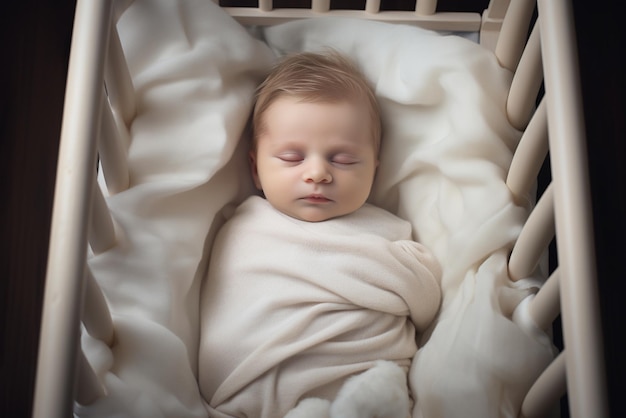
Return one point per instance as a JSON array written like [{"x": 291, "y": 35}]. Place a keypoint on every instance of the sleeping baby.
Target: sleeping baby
[{"x": 314, "y": 298}]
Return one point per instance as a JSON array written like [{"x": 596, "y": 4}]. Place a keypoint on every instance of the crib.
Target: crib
[{"x": 544, "y": 102}]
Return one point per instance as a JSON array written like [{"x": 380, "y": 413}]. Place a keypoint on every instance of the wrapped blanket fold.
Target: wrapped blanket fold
[{"x": 291, "y": 309}]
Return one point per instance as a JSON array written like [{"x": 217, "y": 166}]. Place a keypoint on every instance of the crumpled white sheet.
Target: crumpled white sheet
[
  {"x": 194, "y": 72},
  {"x": 446, "y": 150}
]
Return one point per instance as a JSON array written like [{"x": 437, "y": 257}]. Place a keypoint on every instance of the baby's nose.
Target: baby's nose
[{"x": 317, "y": 172}]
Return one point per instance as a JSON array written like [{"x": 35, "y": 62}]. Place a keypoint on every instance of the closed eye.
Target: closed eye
[
  {"x": 344, "y": 159},
  {"x": 290, "y": 157}
]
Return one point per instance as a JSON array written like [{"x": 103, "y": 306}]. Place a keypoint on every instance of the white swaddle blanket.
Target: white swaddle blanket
[{"x": 290, "y": 309}]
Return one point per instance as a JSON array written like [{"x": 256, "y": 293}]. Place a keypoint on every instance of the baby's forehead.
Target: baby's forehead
[
  {"x": 352, "y": 138},
  {"x": 294, "y": 113},
  {"x": 280, "y": 104},
  {"x": 352, "y": 105}
]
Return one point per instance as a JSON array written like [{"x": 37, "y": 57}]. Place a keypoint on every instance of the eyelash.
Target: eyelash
[
  {"x": 296, "y": 158},
  {"x": 347, "y": 160},
  {"x": 290, "y": 158}
]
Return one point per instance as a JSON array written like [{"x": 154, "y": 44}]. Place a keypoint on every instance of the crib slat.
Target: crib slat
[
  {"x": 425, "y": 7},
  {"x": 570, "y": 175},
  {"x": 492, "y": 19},
  {"x": 101, "y": 228},
  {"x": 545, "y": 306},
  {"x": 372, "y": 6},
  {"x": 526, "y": 82},
  {"x": 96, "y": 314},
  {"x": 320, "y": 6},
  {"x": 546, "y": 390},
  {"x": 266, "y": 5},
  {"x": 112, "y": 148},
  {"x": 534, "y": 238},
  {"x": 58, "y": 341},
  {"x": 117, "y": 78},
  {"x": 529, "y": 156},
  {"x": 513, "y": 33},
  {"x": 88, "y": 386}
]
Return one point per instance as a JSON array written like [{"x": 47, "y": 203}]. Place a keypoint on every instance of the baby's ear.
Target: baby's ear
[{"x": 254, "y": 170}]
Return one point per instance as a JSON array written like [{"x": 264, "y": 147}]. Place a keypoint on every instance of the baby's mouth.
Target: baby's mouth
[{"x": 317, "y": 198}]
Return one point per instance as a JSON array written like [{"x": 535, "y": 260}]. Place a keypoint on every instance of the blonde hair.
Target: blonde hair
[{"x": 316, "y": 78}]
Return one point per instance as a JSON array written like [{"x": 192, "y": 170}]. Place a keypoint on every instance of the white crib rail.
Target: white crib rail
[
  {"x": 546, "y": 390},
  {"x": 320, "y": 6},
  {"x": 119, "y": 85},
  {"x": 579, "y": 294},
  {"x": 425, "y": 7},
  {"x": 546, "y": 306},
  {"x": 96, "y": 315},
  {"x": 59, "y": 336},
  {"x": 101, "y": 227},
  {"x": 424, "y": 15},
  {"x": 113, "y": 149},
  {"x": 88, "y": 387},
  {"x": 534, "y": 239},
  {"x": 372, "y": 6},
  {"x": 422, "y": 7},
  {"x": 529, "y": 156},
  {"x": 526, "y": 82},
  {"x": 512, "y": 37}
]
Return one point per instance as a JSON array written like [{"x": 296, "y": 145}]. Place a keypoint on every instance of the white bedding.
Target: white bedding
[{"x": 446, "y": 150}]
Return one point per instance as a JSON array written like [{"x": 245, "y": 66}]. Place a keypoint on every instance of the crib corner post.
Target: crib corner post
[
  {"x": 59, "y": 339},
  {"x": 582, "y": 328}
]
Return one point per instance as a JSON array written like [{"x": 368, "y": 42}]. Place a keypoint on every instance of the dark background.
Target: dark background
[{"x": 35, "y": 50}]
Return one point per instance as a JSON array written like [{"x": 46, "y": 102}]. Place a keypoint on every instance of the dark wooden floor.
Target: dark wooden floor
[{"x": 35, "y": 46}]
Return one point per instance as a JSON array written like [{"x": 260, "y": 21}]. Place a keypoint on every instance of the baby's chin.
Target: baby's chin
[
  {"x": 312, "y": 218},
  {"x": 314, "y": 211},
  {"x": 316, "y": 215}
]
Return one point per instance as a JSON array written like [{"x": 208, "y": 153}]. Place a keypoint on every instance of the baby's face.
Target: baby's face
[{"x": 315, "y": 161}]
